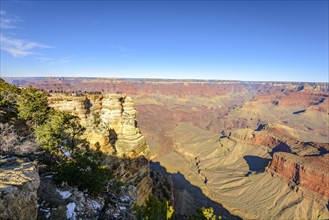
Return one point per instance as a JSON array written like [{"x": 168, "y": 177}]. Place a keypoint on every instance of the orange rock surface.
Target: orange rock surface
[{"x": 309, "y": 172}]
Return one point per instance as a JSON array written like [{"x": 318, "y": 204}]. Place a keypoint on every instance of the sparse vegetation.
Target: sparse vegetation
[
  {"x": 58, "y": 133},
  {"x": 96, "y": 119},
  {"x": 85, "y": 171},
  {"x": 205, "y": 214},
  {"x": 154, "y": 209},
  {"x": 62, "y": 131},
  {"x": 11, "y": 143}
]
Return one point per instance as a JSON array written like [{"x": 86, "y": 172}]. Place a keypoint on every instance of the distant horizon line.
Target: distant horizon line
[{"x": 159, "y": 79}]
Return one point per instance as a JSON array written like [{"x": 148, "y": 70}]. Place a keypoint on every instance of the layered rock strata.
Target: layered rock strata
[
  {"x": 19, "y": 181},
  {"x": 110, "y": 121},
  {"x": 307, "y": 172},
  {"x": 111, "y": 125}
]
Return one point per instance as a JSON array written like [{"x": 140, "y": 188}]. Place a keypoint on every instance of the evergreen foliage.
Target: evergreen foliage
[
  {"x": 85, "y": 171},
  {"x": 8, "y": 97},
  {"x": 61, "y": 131},
  {"x": 33, "y": 106},
  {"x": 154, "y": 209}
]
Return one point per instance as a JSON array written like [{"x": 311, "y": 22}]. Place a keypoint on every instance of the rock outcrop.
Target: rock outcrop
[
  {"x": 110, "y": 121},
  {"x": 111, "y": 125},
  {"x": 307, "y": 172},
  {"x": 67, "y": 202},
  {"x": 19, "y": 181},
  {"x": 249, "y": 136}
]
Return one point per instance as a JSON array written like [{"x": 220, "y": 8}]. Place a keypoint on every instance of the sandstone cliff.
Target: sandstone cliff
[
  {"x": 307, "y": 172},
  {"x": 19, "y": 181},
  {"x": 110, "y": 121},
  {"x": 111, "y": 125}
]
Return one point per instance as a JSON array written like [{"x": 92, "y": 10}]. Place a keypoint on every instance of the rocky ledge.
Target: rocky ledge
[
  {"x": 306, "y": 172},
  {"x": 19, "y": 181}
]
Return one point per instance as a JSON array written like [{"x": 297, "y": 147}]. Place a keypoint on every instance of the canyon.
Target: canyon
[{"x": 257, "y": 149}]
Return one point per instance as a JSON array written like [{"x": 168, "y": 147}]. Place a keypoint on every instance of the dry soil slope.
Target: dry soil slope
[{"x": 257, "y": 195}]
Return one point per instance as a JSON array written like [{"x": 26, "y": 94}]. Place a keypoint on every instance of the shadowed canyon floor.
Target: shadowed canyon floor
[
  {"x": 189, "y": 197},
  {"x": 259, "y": 149}
]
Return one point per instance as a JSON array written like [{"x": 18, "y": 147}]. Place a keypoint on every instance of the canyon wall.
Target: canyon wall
[
  {"x": 300, "y": 164},
  {"x": 111, "y": 126},
  {"x": 307, "y": 172}
]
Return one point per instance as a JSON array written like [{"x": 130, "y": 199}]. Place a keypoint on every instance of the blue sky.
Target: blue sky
[{"x": 230, "y": 40}]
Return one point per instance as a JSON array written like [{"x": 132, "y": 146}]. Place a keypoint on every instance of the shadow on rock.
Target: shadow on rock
[
  {"x": 298, "y": 112},
  {"x": 256, "y": 164},
  {"x": 282, "y": 147},
  {"x": 187, "y": 197}
]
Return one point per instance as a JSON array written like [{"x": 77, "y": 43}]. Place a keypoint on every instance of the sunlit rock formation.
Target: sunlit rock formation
[
  {"x": 110, "y": 121},
  {"x": 307, "y": 173},
  {"x": 111, "y": 125},
  {"x": 19, "y": 181}
]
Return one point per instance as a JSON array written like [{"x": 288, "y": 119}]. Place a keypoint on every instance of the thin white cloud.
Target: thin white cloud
[
  {"x": 123, "y": 49},
  {"x": 19, "y": 47},
  {"x": 16, "y": 47},
  {"x": 61, "y": 61},
  {"x": 52, "y": 61},
  {"x": 44, "y": 59},
  {"x": 8, "y": 21}
]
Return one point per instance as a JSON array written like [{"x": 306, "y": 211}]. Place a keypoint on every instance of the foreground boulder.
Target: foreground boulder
[{"x": 19, "y": 181}]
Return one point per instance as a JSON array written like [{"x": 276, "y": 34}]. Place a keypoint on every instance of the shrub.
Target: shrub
[
  {"x": 96, "y": 119},
  {"x": 61, "y": 130},
  {"x": 12, "y": 143},
  {"x": 86, "y": 172},
  {"x": 8, "y": 97},
  {"x": 154, "y": 209},
  {"x": 205, "y": 214},
  {"x": 33, "y": 106}
]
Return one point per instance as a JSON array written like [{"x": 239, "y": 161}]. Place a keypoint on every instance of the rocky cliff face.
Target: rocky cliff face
[
  {"x": 19, "y": 181},
  {"x": 292, "y": 95},
  {"x": 249, "y": 136},
  {"x": 110, "y": 121},
  {"x": 307, "y": 172},
  {"x": 111, "y": 125}
]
